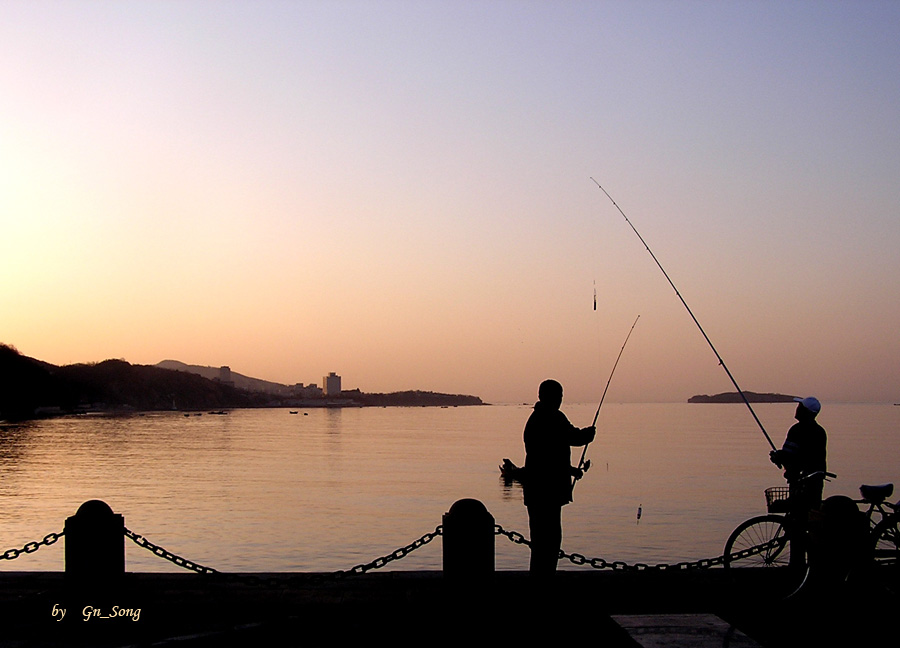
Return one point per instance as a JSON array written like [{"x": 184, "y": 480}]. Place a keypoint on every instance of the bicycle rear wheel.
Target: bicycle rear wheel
[
  {"x": 886, "y": 545},
  {"x": 761, "y": 541}
]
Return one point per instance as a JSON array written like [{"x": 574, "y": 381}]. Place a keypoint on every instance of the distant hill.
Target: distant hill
[
  {"x": 25, "y": 384},
  {"x": 30, "y": 388},
  {"x": 240, "y": 381},
  {"x": 735, "y": 397},
  {"x": 353, "y": 397}
]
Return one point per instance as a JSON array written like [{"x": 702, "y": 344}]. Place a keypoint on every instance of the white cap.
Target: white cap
[{"x": 810, "y": 403}]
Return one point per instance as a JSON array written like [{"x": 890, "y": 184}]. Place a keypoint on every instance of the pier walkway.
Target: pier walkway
[
  {"x": 96, "y": 603},
  {"x": 693, "y": 609}
]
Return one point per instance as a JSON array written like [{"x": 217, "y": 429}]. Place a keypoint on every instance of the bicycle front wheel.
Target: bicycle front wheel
[{"x": 761, "y": 541}]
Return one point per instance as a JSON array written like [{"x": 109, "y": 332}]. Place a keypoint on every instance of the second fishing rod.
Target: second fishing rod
[{"x": 582, "y": 465}]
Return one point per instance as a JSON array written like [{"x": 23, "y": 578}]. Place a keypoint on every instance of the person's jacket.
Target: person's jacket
[{"x": 548, "y": 469}]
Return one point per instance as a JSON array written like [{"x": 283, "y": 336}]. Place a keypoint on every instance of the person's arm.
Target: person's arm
[{"x": 578, "y": 436}]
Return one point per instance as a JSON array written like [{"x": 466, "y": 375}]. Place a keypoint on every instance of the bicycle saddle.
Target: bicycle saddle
[{"x": 876, "y": 493}]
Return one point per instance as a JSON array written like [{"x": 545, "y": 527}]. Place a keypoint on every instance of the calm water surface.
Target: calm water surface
[{"x": 322, "y": 490}]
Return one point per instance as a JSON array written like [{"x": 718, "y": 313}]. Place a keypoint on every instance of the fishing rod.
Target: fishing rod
[
  {"x": 581, "y": 463},
  {"x": 691, "y": 313}
]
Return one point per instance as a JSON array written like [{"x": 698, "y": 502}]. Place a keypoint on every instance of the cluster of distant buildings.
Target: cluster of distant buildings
[{"x": 331, "y": 386}]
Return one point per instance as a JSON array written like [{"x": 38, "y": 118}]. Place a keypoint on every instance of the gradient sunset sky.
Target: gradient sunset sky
[{"x": 401, "y": 192}]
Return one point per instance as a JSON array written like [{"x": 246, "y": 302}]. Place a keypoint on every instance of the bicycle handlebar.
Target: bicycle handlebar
[{"x": 819, "y": 473}]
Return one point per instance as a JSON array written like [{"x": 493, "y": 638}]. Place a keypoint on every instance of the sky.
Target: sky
[{"x": 401, "y": 192}]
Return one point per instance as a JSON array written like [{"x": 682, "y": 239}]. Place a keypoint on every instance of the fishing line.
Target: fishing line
[
  {"x": 581, "y": 463},
  {"x": 691, "y": 313}
]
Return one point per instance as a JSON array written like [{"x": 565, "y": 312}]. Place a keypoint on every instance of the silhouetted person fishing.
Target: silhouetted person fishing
[
  {"x": 803, "y": 453},
  {"x": 803, "y": 458},
  {"x": 547, "y": 480}
]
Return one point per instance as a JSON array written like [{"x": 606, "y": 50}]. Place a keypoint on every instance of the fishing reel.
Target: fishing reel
[{"x": 579, "y": 472}]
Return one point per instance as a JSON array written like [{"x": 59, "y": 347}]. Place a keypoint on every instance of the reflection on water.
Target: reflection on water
[{"x": 266, "y": 490}]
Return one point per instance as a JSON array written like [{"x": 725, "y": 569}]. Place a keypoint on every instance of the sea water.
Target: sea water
[{"x": 261, "y": 490}]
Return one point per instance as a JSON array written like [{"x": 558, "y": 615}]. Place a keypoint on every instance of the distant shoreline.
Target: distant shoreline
[
  {"x": 35, "y": 389},
  {"x": 384, "y": 400}
]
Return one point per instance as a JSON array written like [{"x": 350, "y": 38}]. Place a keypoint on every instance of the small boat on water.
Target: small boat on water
[{"x": 510, "y": 471}]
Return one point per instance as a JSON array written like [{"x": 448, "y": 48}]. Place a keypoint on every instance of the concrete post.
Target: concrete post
[
  {"x": 468, "y": 540},
  {"x": 95, "y": 543}
]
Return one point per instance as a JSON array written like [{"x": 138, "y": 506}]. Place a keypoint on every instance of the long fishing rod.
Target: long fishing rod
[
  {"x": 581, "y": 463},
  {"x": 615, "y": 364},
  {"x": 691, "y": 313}
]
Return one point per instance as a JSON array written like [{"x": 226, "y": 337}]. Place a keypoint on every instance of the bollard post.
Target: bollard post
[
  {"x": 468, "y": 541},
  {"x": 95, "y": 543}
]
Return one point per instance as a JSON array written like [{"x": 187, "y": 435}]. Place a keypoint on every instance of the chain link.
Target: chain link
[{"x": 31, "y": 547}]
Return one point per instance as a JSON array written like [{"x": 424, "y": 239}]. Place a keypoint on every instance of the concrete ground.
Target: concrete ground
[{"x": 690, "y": 609}]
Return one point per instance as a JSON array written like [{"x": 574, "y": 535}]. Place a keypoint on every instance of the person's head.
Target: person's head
[
  {"x": 807, "y": 408},
  {"x": 550, "y": 393}
]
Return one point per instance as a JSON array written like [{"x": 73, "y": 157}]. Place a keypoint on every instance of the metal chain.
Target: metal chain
[
  {"x": 396, "y": 555},
  {"x": 514, "y": 536},
  {"x": 141, "y": 541},
  {"x": 359, "y": 569},
  {"x": 618, "y": 565},
  {"x": 31, "y": 547}
]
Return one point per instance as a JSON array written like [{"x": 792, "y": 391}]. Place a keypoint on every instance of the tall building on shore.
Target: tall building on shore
[
  {"x": 225, "y": 376},
  {"x": 331, "y": 384}
]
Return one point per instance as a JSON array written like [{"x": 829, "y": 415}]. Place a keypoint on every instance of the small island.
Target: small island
[{"x": 735, "y": 397}]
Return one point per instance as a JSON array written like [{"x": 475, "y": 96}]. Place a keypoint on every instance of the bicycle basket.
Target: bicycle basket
[{"x": 777, "y": 499}]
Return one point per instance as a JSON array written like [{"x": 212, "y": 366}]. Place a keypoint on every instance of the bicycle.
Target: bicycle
[{"x": 765, "y": 540}]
